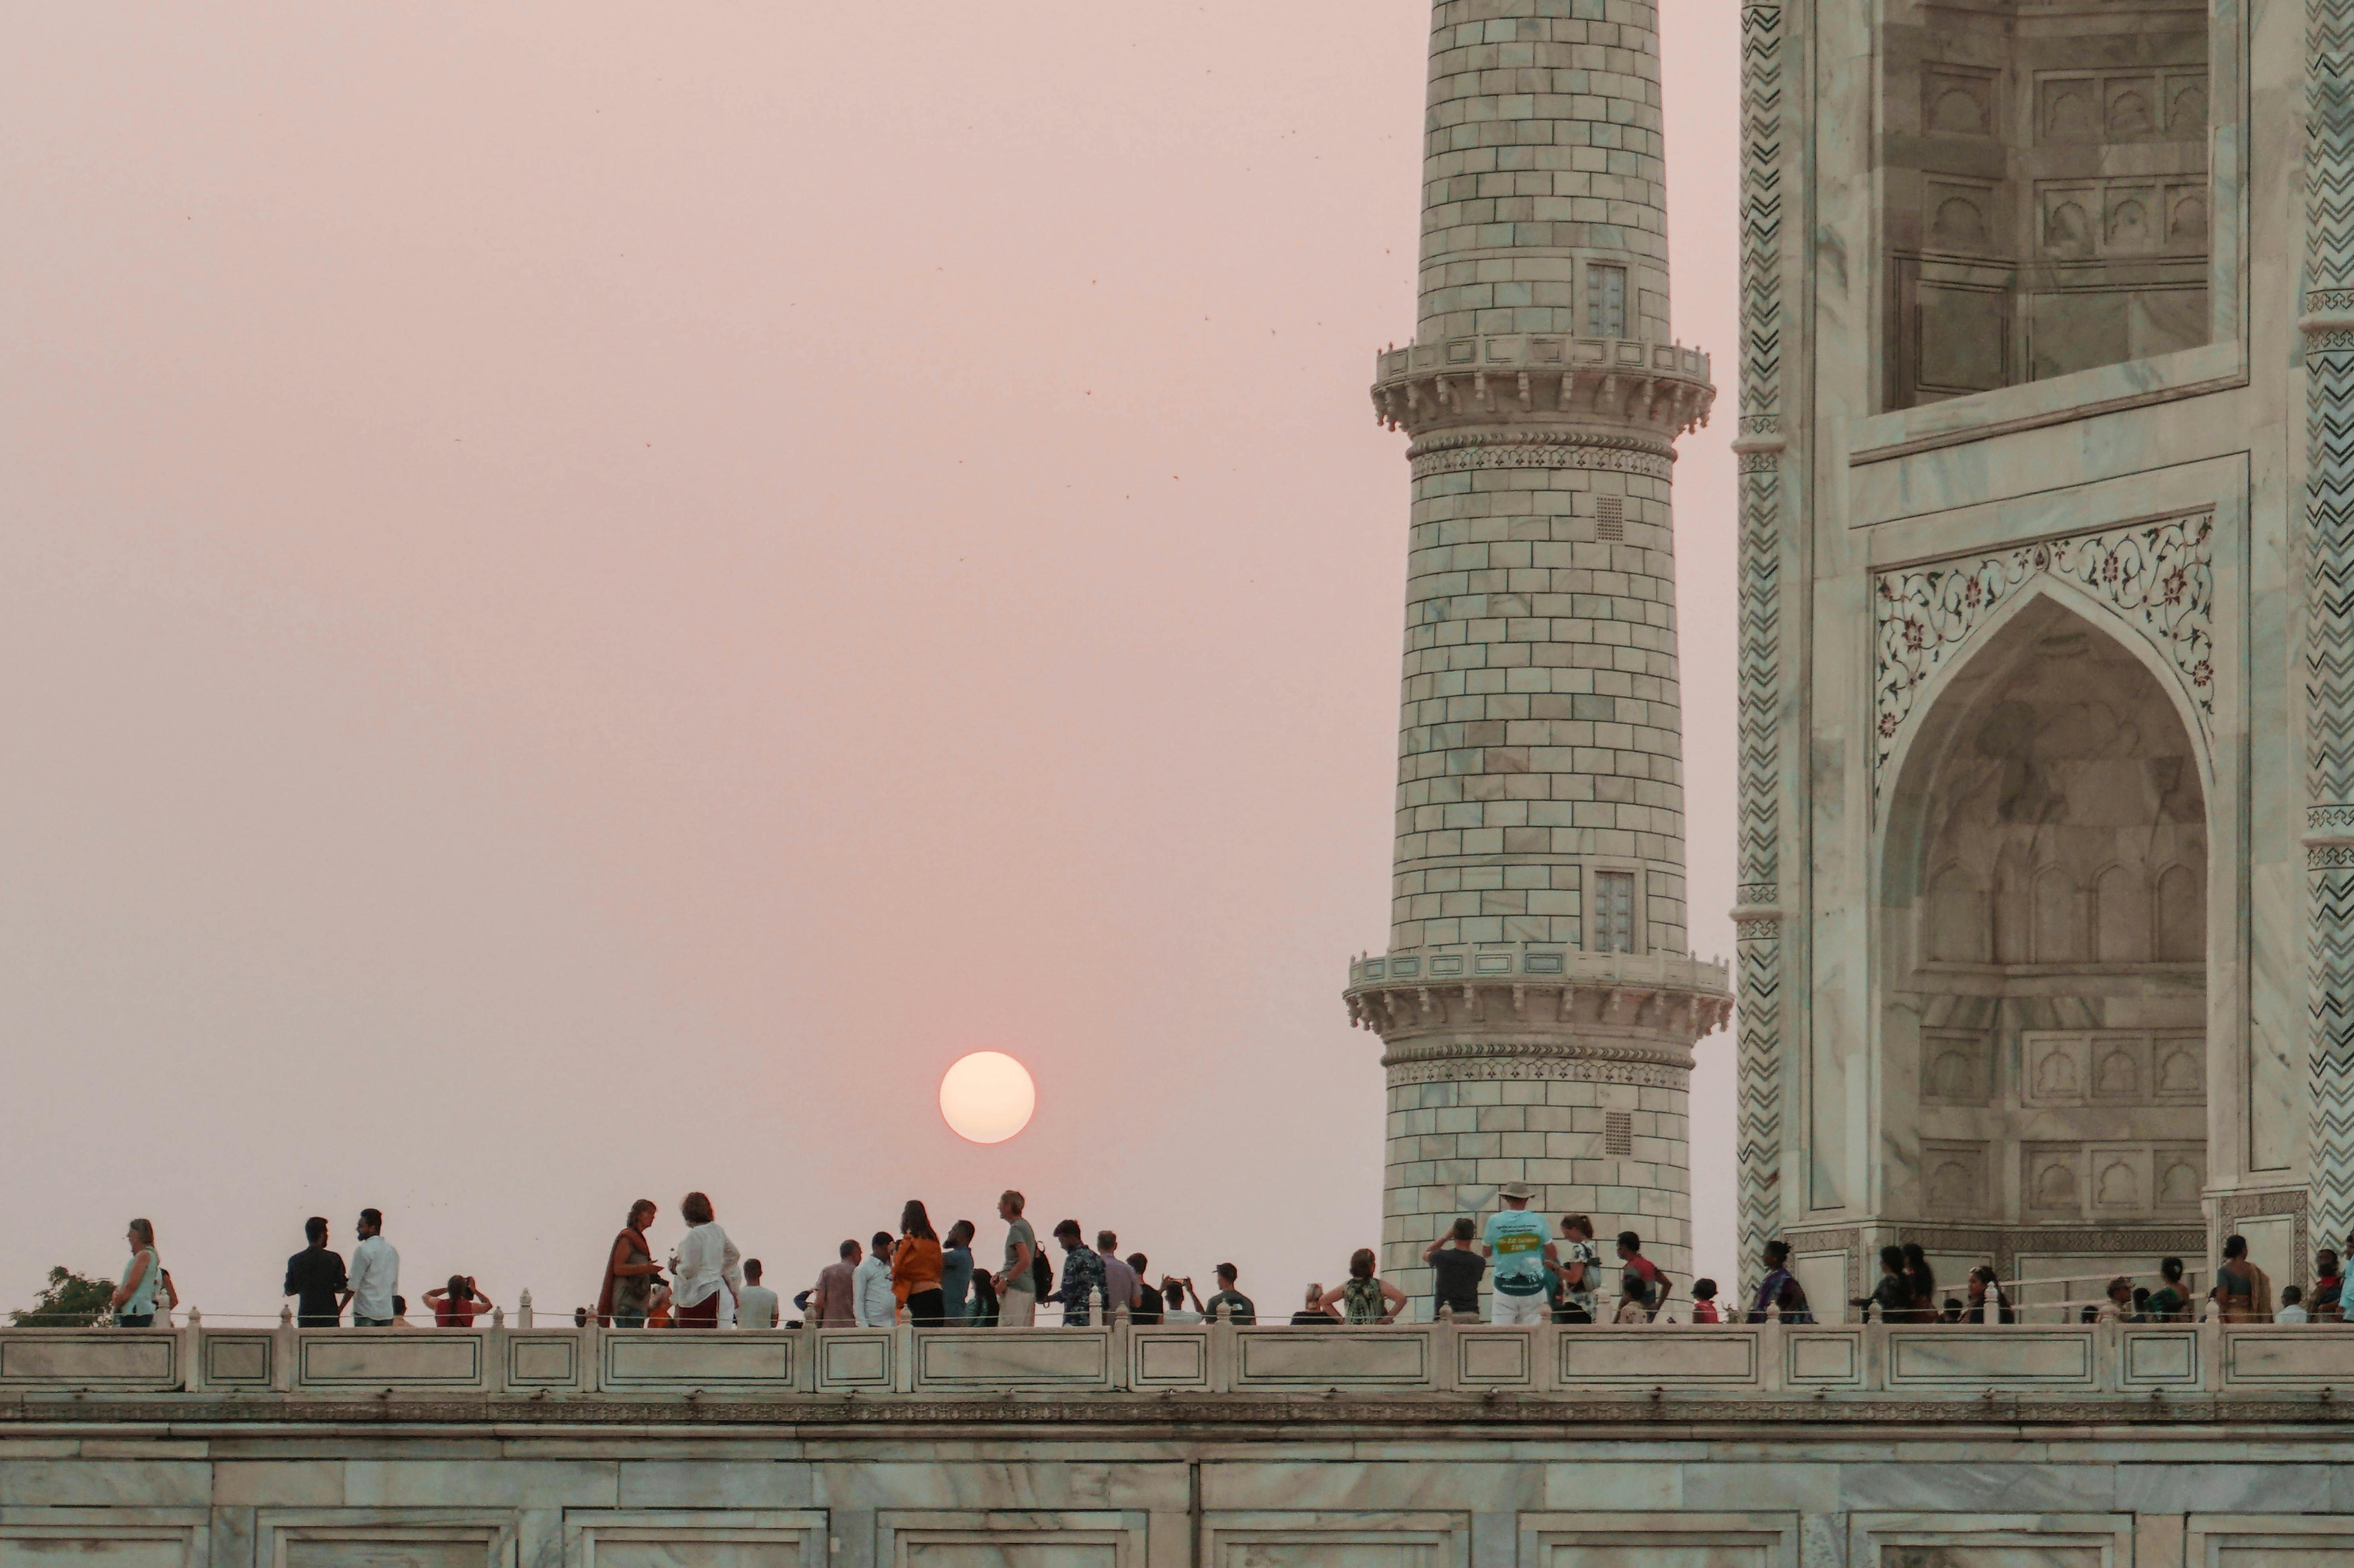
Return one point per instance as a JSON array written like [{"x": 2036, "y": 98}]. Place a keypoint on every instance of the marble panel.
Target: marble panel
[
  {"x": 1815, "y": 1357},
  {"x": 1267, "y": 1357},
  {"x": 1168, "y": 1357},
  {"x": 549, "y": 1361},
  {"x": 728, "y": 1537},
  {"x": 1353, "y": 1540},
  {"x": 103, "y": 1542},
  {"x": 920, "y": 1539},
  {"x": 74, "y": 1358},
  {"x": 1495, "y": 1358},
  {"x": 1315, "y": 1478},
  {"x": 384, "y": 1538},
  {"x": 668, "y": 1484},
  {"x": 2292, "y": 1356},
  {"x": 654, "y": 1359},
  {"x": 2224, "y": 1488},
  {"x": 249, "y": 1484},
  {"x": 1962, "y": 1539},
  {"x": 463, "y": 1478},
  {"x": 389, "y": 1358},
  {"x": 1659, "y": 1356},
  {"x": 1944, "y": 1356},
  {"x": 237, "y": 1360},
  {"x": 1824, "y": 1275},
  {"x": 2158, "y": 1358},
  {"x": 1660, "y": 1540},
  {"x": 1977, "y": 1483},
  {"x": 1013, "y": 1358},
  {"x": 2263, "y": 1541},
  {"x": 92, "y": 1482},
  {"x": 854, "y": 1359}
]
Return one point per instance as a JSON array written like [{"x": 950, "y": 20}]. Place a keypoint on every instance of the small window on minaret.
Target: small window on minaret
[
  {"x": 1609, "y": 517},
  {"x": 1606, "y": 301},
  {"x": 1614, "y": 912}
]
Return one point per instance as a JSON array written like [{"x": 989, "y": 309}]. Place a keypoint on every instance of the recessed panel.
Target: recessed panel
[
  {"x": 1657, "y": 1356},
  {"x": 95, "y": 1547},
  {"x": 90, "y": 1359},
  {"x": 1936, "y": 1358},
  {"x": 1337, "y": 1360},
  {"x": 388, "y": 1358},
  {"x": 1013, "y": 1358}
]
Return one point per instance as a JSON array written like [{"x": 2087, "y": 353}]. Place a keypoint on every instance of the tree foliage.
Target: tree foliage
[{"x": 71, "y": 1302}]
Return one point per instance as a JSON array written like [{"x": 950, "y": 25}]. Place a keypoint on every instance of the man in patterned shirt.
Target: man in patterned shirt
[{"x": 1083, "y": 1276}]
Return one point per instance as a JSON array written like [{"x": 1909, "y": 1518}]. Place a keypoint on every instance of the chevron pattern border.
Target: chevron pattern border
[
  {"x": 1759, "y": 947},
  {"x": 2330, "y": 611}
]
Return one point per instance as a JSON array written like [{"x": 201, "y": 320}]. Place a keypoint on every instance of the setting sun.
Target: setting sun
[{"x": 987, "y": 1097}]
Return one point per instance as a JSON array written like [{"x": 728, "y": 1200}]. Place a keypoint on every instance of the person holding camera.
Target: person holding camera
[{"x": 457, "y": 1304}]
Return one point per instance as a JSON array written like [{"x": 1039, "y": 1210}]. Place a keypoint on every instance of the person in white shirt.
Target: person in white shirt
[
  {"x": 872, "y": 1299},
  {"x": 375, "y": 1275},
  {"x": 755, "y": 1305},
  {"x": 2292, "y": 1307},
  {"x": 704, "y": 1264}
]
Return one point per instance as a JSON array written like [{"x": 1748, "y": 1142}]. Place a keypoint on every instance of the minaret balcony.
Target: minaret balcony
[{"x": 1547, "y": 379}]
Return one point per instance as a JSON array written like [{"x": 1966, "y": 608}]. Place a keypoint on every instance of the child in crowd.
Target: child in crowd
[
  {"x": 2292, "y": 1307},
  {"x": 1634, "y": 1299},
  {"x": 1704, "y": 1302}
]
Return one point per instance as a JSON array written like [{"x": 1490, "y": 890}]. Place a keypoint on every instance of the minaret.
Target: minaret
[{"x": 1538, "y": 1004}]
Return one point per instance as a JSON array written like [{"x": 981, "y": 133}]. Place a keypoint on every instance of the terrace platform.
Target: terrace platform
[{"x": 1437, "y": 1446}]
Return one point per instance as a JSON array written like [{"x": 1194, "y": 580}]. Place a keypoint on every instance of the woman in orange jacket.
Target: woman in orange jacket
[{"x": 916, "y": 1268}]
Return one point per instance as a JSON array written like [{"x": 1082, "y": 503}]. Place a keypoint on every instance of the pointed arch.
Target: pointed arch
[
  {"x": 2043, "y": 852},
  {"x": 1903, "y": 737}
]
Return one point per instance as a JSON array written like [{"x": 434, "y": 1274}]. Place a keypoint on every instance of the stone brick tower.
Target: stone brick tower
[{"x": 1537, "y": 1004}]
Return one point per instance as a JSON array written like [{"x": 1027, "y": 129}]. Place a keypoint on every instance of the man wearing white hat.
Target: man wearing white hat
[{"x": 1520, "y": 1246}]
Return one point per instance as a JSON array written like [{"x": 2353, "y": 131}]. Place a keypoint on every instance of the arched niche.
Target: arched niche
[{"x": 2041, "y": 912}]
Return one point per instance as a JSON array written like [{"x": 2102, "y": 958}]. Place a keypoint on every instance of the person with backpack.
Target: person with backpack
[{"x": 1020, "y": 1285}]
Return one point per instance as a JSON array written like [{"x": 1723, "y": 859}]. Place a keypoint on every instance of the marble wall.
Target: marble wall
[
  {"x": 1341, "y": 1484},
  {"x": 2025, "y": 917},
  {"x": 2046, "y": 206}
]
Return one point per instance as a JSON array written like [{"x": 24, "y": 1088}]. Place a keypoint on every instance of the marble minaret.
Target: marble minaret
[{"x": 1537, "y": 1005}]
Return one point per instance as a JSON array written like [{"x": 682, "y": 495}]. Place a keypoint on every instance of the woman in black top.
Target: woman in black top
[
  {"x": 1921, "y": 1280},
  {"x": 1146, "y": 1310},
  {"x": 1456, "y": 1270},
  {"x": 1894, "y": 1294}
]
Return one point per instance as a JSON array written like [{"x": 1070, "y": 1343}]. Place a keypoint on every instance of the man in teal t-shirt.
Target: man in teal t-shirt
[{"x": 1520, "y": 1246}]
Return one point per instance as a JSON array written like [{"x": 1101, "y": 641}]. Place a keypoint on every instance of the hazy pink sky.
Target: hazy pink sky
[{"x": 593, "y": 594}]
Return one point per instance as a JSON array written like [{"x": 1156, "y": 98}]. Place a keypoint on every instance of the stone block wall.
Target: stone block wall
[
  {"x": 1543, "y": 151},
  {"x": 1447, "y": 1135},
  {"x": 1541, "y": 725}
]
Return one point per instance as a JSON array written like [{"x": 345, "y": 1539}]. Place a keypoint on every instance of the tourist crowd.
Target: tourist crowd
[{"x": 1532, "y": 1272}]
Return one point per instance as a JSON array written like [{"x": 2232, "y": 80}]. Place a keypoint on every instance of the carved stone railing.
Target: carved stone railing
[
  {"x": 1637, "y": 1007},
  {"x": 1539, "y": 379},
  {"x": 2159, "y": 1362}
]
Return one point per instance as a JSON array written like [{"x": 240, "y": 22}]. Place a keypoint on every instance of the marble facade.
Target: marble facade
[{"x": 2046, "y": 880}]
